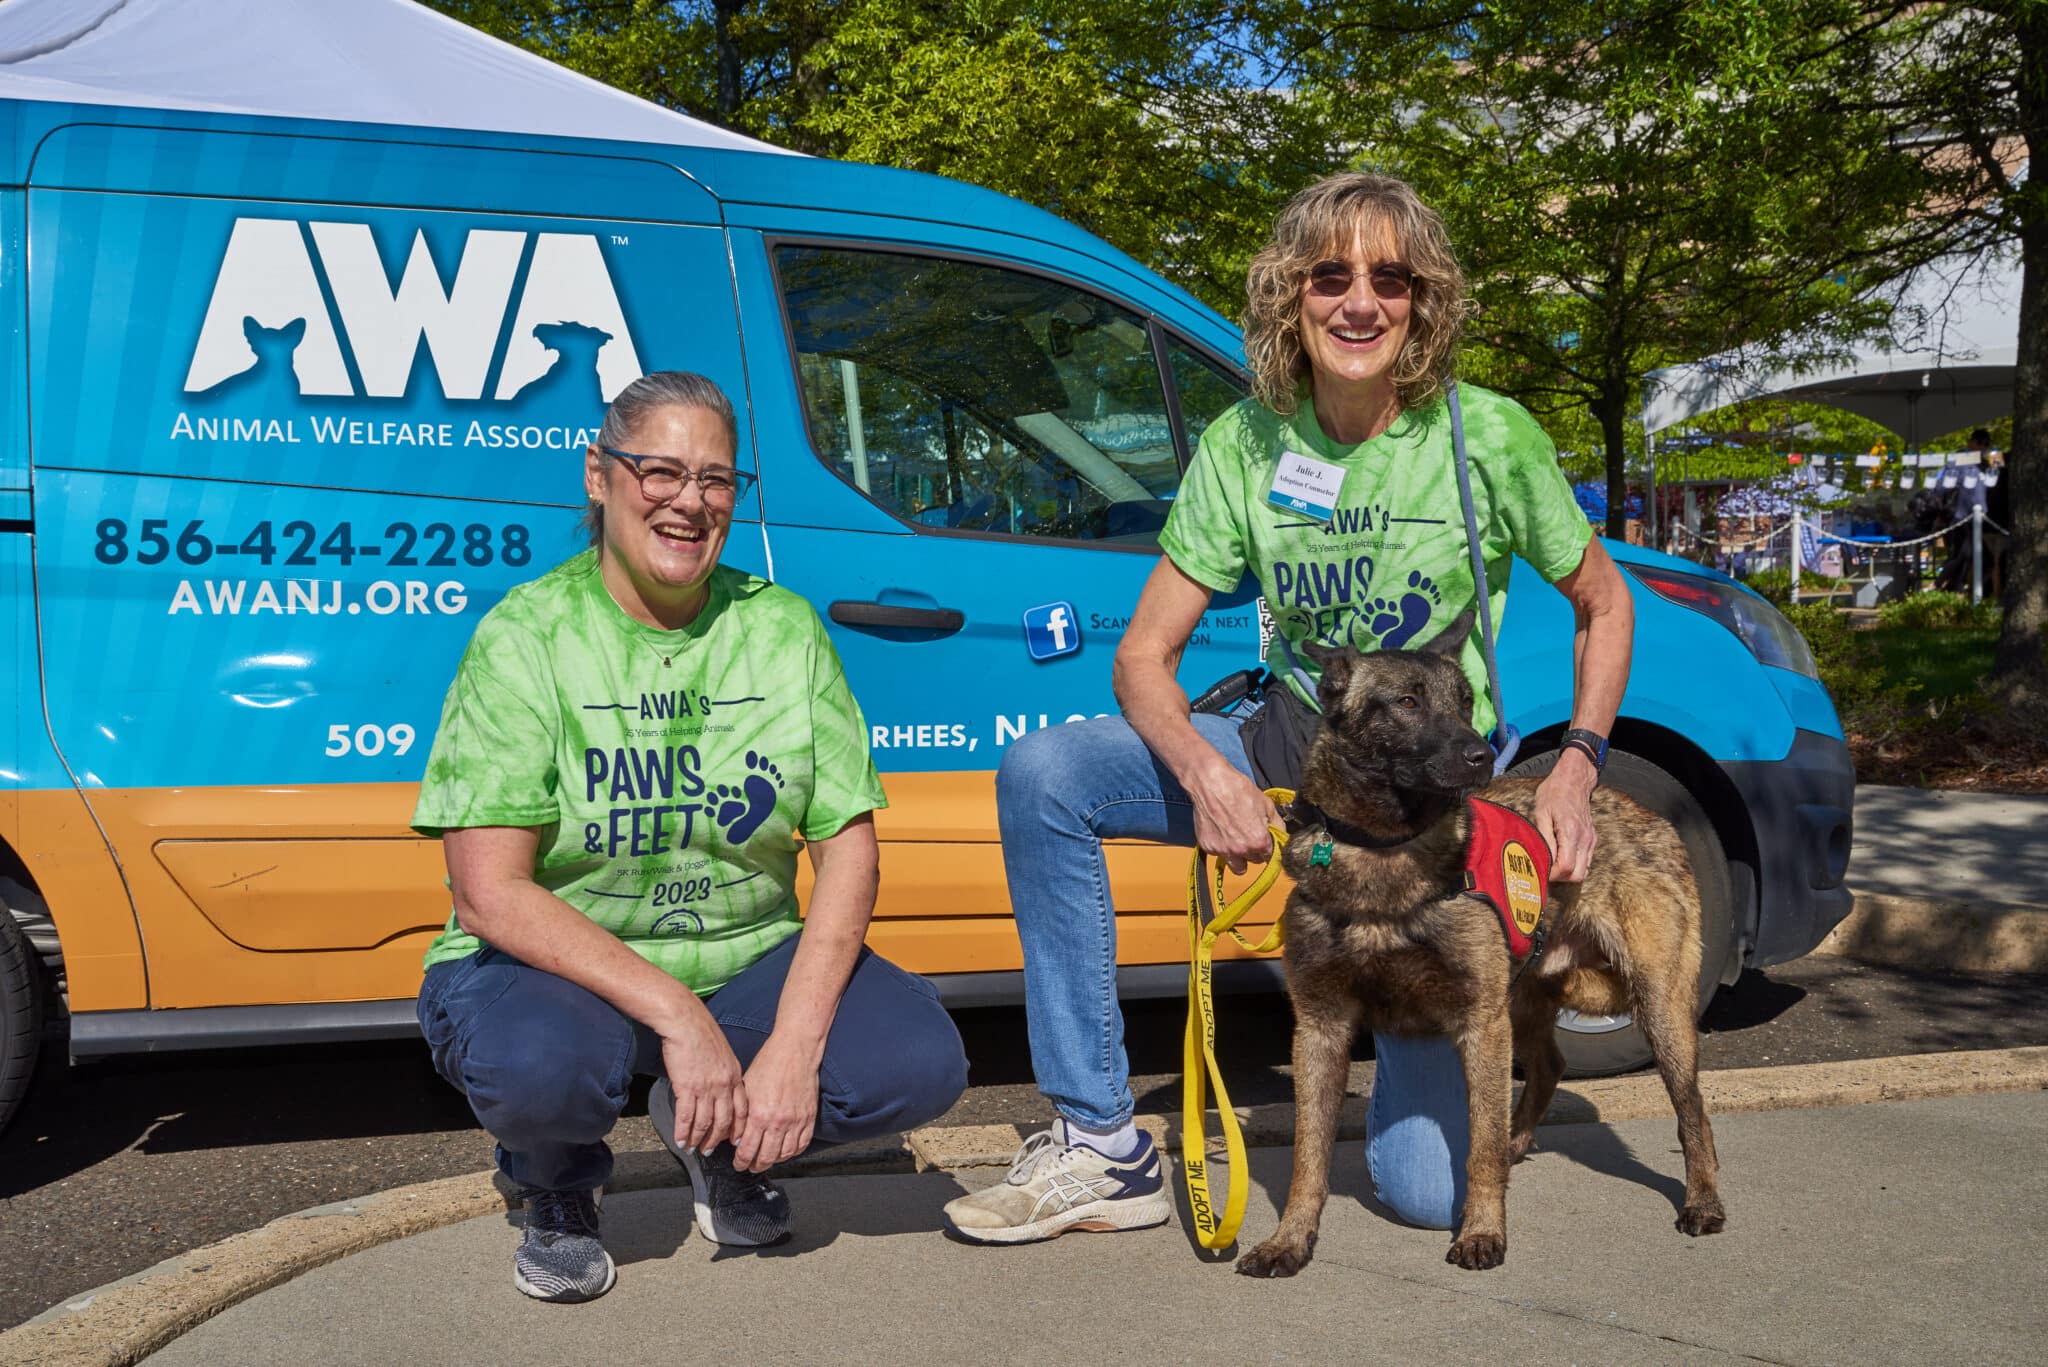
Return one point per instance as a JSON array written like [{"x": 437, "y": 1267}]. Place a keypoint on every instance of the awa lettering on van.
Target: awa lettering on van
[{"x": 267, "y": 311}]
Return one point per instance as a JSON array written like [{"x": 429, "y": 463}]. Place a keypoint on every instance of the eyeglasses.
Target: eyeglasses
[
  {"x": 663, "y": 477},
  {"x": 1332, "y": 280}
]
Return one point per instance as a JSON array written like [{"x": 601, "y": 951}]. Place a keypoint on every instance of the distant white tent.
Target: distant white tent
[
  {"x": 1950, "y": 368},
  {"x": 367, "y": 61}
]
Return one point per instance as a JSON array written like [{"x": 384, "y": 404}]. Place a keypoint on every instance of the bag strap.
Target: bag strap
[{"x": 1506, "y": 739}]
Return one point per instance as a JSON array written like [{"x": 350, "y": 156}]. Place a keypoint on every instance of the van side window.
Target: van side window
[
  {"x": 1207, "y": 391},
  {"x": 961, "y": 395}
]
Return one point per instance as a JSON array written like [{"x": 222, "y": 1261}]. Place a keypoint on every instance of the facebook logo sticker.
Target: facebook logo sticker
[{"x": 1050, "y": 631}]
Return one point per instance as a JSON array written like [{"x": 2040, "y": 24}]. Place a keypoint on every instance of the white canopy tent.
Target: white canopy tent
[
  {"x": 368, "y": 61},
  {"x": 1949, "y": 365}
]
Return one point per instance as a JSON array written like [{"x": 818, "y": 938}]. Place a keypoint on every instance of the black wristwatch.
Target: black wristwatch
[{"x": 1591, "y": 744}]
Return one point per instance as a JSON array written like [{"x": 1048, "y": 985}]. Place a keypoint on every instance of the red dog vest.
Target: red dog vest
[{"x": 1508, "y": 865}]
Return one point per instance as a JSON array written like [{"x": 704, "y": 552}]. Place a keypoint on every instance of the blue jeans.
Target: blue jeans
[
  {"x": 1059, "y": 794},
  {"x": 547, "y": 1065}
]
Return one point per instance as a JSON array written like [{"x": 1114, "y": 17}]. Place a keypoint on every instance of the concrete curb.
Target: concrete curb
[
  {"x": 1961, "y": 937},
  {"x": 125, "y": 1321}
]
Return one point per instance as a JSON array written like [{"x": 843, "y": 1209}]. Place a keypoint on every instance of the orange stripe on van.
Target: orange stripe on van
[{"x": 269, "y": 895}]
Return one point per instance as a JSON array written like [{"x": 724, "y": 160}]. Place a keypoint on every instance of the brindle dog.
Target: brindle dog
[{"x": 1381, "y": 938}]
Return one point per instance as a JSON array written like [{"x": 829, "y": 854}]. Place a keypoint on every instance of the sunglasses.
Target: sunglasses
[{"x": 1332, "y": 280}]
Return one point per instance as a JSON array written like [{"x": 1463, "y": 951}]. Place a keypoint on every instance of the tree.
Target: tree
[
  {"x": 1624, "y": 189},
  {"x": 1155, "y": 124},
  {"x": 1968, "y": 96}
]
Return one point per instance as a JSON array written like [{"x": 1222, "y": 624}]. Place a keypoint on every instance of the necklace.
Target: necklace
[{"x": 667, "y": 656}]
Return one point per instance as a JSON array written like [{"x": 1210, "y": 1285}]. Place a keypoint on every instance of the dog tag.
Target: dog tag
[{"x": 1320, "y": 852}]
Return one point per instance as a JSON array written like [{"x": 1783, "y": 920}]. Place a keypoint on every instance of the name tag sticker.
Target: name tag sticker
[{"x": 1305, "y": 485}]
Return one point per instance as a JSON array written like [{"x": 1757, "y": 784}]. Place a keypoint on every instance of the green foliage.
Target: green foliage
[
  {"x": 1631, "y": 183},
  {"x": 1904, "y": 674},
  {"x": 1936, "y": 610},
  {"x": 1155, "y": 124},
  {"x": 1850, "y": 661},
  {"x": 1935, "y": 666},
  {"x": 1999, "y": 428},
  {"x": 1776, "y": 585}
]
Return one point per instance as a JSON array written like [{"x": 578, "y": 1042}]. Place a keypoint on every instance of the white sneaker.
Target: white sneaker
[{"x": 1054, "y": 1186}]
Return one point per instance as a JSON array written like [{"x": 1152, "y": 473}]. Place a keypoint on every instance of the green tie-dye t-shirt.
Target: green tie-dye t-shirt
[
  {"x": 1391, "y": 566},
  {"x": 667, "y": 771}
]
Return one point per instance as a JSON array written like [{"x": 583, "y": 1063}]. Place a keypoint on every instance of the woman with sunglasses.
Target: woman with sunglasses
[
  {"x": 1335, "y": 488},
  {"x": 632, "y": 743}
]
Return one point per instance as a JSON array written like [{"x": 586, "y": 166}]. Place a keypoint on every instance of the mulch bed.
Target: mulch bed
[{"x": 1968, "y": 756}]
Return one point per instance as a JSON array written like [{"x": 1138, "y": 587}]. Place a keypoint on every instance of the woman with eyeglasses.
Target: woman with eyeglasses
[
  {"x": 1335, "y": 488},
  {"x": 631, "y": 746}
]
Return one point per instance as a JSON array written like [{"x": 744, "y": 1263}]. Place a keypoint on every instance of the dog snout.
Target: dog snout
[{"x": 1478, "y": 754}]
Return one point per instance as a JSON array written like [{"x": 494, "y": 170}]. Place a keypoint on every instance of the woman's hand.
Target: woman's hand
[
  {"x": 491, "y": 872},
  {"x": 1231, "y": 812},
  {"x": 1231, "y": 815},
  {"x": 1564, "y": 816},
  {"x": 782, "y": 1106},
  {"x": 704, "y": 1073}
]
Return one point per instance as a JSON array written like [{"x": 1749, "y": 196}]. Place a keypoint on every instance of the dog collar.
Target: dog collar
[
  {"x": 1507, "y": 865},
  {"x": 1304, "y": 813}
]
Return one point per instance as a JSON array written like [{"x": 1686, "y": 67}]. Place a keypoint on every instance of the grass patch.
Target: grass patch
[
  {"x": 1909, "y": 692},
  {"x": 1930, "y": 663}
]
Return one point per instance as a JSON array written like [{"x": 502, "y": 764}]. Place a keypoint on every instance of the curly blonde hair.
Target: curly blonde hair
[{"x": 1323, "y": 221}]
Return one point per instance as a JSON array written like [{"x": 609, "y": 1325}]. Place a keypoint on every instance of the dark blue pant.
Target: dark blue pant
[{"x": 547, "y": 1065}]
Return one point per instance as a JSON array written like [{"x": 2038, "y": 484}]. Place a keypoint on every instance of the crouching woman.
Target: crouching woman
[{"x": 631, "y": 745}]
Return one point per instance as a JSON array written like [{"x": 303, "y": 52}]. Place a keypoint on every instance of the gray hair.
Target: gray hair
[{"x": 640, "y": 400}]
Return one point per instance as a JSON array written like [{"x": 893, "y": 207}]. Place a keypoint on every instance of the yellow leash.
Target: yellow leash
[{"x": 1199, "y": 1065}]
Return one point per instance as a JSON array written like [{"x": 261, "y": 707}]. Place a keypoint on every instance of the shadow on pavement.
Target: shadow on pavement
[
  {"x": 75, "y": 1117},
  {"x": 1597, "y": 1147},
  {"x": 1750, "y": 1001}
]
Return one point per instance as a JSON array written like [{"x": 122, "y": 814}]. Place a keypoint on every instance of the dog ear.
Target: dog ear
[
  {"x": 1336, "y": 664},
  {"x": 1451, "y": 639}
]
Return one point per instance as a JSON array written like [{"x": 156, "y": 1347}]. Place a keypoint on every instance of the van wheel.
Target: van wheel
[
  {"x": 21, "y": 1015},
  {"x": 1597, "y": 1045}
]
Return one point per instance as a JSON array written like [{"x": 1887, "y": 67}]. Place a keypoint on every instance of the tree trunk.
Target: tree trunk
[
  {"x": 1612, "y": 411},
  {"x": 723, "y": 12},
  {"x": 2019, "y": 673}
]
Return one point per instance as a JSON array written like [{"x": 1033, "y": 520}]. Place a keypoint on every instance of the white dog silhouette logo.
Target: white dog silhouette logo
[{"x": 267, "y": 283}]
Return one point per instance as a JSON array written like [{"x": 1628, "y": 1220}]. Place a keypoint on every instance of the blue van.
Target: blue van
[{"x": 290, "y": 403}]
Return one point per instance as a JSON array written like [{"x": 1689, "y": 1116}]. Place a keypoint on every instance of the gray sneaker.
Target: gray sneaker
[
  {"x": 732, "y": 1207},
  {"x": 560, "y": 1258},
  {"x": 1054, "y": 1186}
]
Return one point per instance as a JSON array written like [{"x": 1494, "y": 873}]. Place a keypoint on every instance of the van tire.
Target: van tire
[
  {"x": 1615, "y": 1044},
  {"x": 21, "y": 1015}
]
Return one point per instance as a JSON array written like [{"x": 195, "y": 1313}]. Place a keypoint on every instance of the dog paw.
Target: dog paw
[
  {"x": 1702, "y": 1218},
  {"x": 1477, "y": 1252},
  {"x": 1519, "y": 1146},
  {"x": 1275, "y": 1258}
]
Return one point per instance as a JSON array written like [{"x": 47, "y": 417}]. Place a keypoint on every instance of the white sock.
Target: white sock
[{"x": 1117, "y": 1144}]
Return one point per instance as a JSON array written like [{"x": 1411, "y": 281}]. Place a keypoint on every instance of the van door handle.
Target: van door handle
[{"x": 855, "y": 613}]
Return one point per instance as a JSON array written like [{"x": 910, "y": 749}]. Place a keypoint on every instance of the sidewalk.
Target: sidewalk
[
  {"x": 1890, "y": 1233},
  {"x": 1955, "y": 846},
  {"x": 1948, "y": 880}
]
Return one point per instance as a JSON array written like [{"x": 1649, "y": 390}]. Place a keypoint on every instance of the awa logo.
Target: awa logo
[{"x": 268, "y": 310}]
